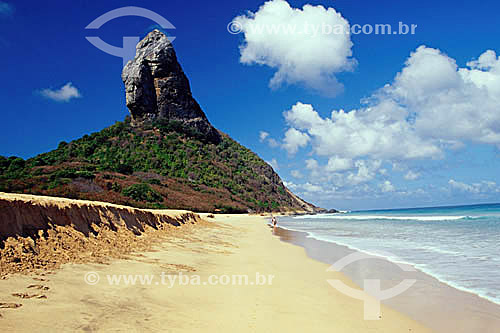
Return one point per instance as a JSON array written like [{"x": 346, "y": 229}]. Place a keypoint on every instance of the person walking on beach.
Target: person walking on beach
[{"x": 274, "y": 221}]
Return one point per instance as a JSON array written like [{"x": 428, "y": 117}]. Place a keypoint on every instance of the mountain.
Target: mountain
[{"x": 166, "y": 154}]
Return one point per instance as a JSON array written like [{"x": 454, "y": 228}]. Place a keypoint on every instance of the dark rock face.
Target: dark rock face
[{"x": 157, "y": 88}]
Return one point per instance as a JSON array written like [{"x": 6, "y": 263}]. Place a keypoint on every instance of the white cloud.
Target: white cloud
[
  {"x": 359, "y": 172},
  {"x": 311, "y": 164},
  {"x": 274, "y": 164},
  {"x": 294, "y": 140},
  {"x": 475, "y": 188},
  {"x": 449, "y": 104},
  {"x": 336, "y": 163},
  {"x": 486, "y": 61},
  {"x": 380, "y": 133},
  {"x": 431, "y": 106},
  {"x": 63, "y": 94},
  {"x": 308, "y": 187},
  {"x": 303, "y": 116},
  {"x": 292, "y": 41},
  {"x": 386, "y": 187},
  {"x": 410, "y": 175},
  {"x": 263, "y": 135},
  {"x": 297, "y": 174},
  {"x": 367, "y": 170},
  {"x": 272, "y": 143},
  {"x": 397, "y": 166},
  {"x": 462, "y": 186}
]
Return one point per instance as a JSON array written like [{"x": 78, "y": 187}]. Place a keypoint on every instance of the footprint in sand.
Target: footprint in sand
[
  {"x": 39, "y": 279},
  {"x": 28, "y": 296},
  {"x": 10, "y": 305},
  {"x": 37, "y": 286},
  {"x": 23, "y": 295},
  {"x": 177, "y": 268}
]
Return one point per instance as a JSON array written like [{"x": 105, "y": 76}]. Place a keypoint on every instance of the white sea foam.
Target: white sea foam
[{"x": 384, "y": 217}]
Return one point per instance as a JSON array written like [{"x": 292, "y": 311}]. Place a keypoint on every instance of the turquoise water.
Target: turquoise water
[{"x": 458, "y": 245}]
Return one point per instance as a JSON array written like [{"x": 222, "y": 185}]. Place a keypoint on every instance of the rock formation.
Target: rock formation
[
  {"x": 157, "y": 88},
  {"x": 177, "y": 159}
]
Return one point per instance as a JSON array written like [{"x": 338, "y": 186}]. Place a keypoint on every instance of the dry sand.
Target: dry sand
[{"x": 299, "y": 299}]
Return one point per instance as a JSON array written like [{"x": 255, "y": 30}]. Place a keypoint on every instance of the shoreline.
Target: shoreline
[
  {"x": 396, "y": 261},
  {"x": 298, "y": 298},
  {"x": 470, "y": 312}
]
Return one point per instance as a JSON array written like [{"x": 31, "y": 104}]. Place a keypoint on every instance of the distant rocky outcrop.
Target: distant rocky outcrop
[
  {"x": 157, "y": 88},
  {"x": 166, "y": 155}
]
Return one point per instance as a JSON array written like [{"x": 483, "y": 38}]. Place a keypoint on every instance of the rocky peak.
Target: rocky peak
[{"x": 156, "y": 87}]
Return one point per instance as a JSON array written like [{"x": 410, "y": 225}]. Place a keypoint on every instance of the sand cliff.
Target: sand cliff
[{"x": 39, "y": 232}]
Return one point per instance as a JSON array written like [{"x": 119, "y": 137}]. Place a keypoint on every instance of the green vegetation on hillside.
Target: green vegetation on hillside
[
  {"x": 142, "y": 192},
  {"x": 164, "y": 165}
]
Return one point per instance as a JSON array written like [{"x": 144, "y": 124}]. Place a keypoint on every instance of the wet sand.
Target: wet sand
[{"x": 431, "y": 302}]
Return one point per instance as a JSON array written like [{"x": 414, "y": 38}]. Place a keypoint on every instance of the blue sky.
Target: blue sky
[{"x": 426, "y": 136}]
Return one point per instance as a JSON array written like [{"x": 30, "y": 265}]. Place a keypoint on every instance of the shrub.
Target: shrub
[
  {"x": 142, "y": 192},
  {"x": 125, "y": 169},
  {"x": 16, "y": 164},
  {"x": 72, "y": 173},
  {"x": 116, "y": 187},
  {"x": 4, "y": 164},
  {"x": 153, "y": 181}
]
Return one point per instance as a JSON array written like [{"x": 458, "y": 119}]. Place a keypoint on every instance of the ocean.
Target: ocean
[{"x": 460, "y": 245}]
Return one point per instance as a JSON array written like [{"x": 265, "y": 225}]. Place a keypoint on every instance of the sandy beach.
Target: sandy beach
[{"x": 295, "y": 296}]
